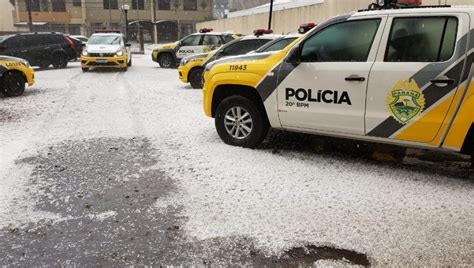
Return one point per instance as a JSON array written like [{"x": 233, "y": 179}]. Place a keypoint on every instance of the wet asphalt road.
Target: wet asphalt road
[{"x": 90, "y": 181}]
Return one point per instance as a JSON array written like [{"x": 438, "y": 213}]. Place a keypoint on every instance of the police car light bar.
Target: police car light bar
[
  {"x": 260, "y": 32},
  {"x": 391, "y": 4},
  {"x": 305, "y": 27},
  {"x": 205, "y": 30}
]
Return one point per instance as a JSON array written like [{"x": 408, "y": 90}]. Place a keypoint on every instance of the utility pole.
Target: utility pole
[
  {"x": 155, "y": 26},
  {"x": 30, "y": 20},
  {"x": 270, "y": 16}
]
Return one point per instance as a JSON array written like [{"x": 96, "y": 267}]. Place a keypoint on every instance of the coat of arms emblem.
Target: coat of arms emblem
[{"x": 405, "y": 101}]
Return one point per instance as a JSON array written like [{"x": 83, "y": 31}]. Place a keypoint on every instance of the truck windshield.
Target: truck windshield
[{"x": 104, "y": 40}]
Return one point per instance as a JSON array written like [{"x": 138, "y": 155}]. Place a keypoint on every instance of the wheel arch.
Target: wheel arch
[
  {"x": 224, "y": 91},
  {"x": 2, "y": 74}
]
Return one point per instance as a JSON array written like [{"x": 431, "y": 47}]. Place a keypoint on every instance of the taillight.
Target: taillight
[{"x": 69, "y": 42}]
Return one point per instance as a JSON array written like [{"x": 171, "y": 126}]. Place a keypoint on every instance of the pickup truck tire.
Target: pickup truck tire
[
  {"x": 85, "y": 69},
  {"x": 129, "y": 63},
  {"x": 195, "y": 78},
  {"x": 166, "y": 61},
  {"x": 13, "y": 84},
  {"x": 241, "y": 122}
]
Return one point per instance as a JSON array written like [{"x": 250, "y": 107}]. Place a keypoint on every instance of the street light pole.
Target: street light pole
[
  {"x": 30, "y": 20},
  {"x": 125, "y": 9},
  {"x": 270, "y": 15}
]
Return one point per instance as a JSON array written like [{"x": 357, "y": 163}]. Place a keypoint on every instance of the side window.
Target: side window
[
  {"x": 212, "y": 40},
  {"x": 421, "y": 39},
  {"x": 279, "y": 45},
  {"x": 244, "y": 46},
  {"x": 14, "y": 42},
  {"x": 347, "y": 41},
  {"x": 32, "y": 40},
  {"x": 192, "y": 40}
]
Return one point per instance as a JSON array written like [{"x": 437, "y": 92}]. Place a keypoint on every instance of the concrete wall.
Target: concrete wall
[
  {"x": 6, "y": 16},
  {"x": 285, "y": 21}
]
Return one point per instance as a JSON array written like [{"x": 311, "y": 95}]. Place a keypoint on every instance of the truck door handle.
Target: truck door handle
[
  {"x": 356, "y": 78},
  {"x": 443, "y": 80}
]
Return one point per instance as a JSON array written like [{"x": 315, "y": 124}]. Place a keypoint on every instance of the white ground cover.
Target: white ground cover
[{"x": 395, "y": 215}]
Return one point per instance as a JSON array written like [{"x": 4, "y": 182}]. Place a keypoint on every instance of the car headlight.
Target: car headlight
[
  {"x": 84, "y": 53},
  {"x": 184, "y": 62},
  {"x": 209, "y": 66},
  {"x": 120, "y": 53}
]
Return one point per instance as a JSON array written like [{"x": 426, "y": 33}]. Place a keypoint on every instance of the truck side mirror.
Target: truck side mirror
[{"x": 294, "y": 56}]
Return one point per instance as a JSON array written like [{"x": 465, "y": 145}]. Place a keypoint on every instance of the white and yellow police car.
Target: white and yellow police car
[
  {"x": 170, "y": 55},
  {"x": 402, "y": 76},
  {"x": 15, "y": 74}
]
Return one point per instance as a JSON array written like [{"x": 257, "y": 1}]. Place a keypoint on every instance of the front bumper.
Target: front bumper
[
  {"x": 207, "y": 95},
  {"x": 30, "y": 77},
  {"x": 110, "y": 62},
  {"x": 183, "y": 74}
]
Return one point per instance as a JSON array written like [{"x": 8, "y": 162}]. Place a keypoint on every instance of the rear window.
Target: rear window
[
  {"x": 422, "y": 39},
  {"x": 228, "y": 38},
  {"x": 56, "y": 38}
]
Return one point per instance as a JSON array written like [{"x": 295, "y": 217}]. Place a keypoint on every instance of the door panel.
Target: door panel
[
  {"x": 327, "y": 90},
  {"x": 418, "y": 68},
  {"x": 189, "y": 46}
]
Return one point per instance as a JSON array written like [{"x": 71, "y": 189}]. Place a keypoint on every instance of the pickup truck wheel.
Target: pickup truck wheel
[
  {"x": 240, "y": 122},
  {"x": 85, "y": 69},
  {"x": 195, "y": 78},
  {"x": 166, "y": 61},
  {"x": 13, "y": 84},
  {"x": 129, "y": 63},
  {"x": 60, "y": 61}
]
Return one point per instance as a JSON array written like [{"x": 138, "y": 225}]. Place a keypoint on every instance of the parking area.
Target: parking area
[{"x": 123, "y": 168}]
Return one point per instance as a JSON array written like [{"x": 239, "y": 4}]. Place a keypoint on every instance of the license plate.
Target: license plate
[{"x": 101, "y": 60}]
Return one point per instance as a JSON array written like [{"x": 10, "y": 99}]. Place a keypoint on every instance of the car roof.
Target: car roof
[
  {"x": 111, "y": 34},
  {"x": 212, "y": 33},
  {"x": 264, "y": 36},
  {"x": 416, "y": 10}
]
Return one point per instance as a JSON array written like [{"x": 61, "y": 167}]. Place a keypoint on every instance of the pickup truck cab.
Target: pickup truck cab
[{"x": 402, "y": 76}]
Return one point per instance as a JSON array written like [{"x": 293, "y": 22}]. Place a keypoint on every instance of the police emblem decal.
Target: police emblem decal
[{"x": 405, "y": 101}]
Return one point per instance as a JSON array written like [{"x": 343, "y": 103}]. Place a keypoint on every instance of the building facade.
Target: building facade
[
  {"x": 288, "y": 15},
  {"x": 6, "y": 16},
  {"x": 175, "y": 18}
]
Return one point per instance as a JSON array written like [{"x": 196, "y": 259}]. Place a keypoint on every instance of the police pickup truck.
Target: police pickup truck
[{"x": 392, "y": 75}]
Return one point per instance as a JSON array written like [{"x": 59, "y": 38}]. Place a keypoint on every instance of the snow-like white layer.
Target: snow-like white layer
[{"x": 396, "y": 216}]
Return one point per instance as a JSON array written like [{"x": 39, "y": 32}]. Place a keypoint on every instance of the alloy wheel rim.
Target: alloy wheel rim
[{"x": 238, "y": 122}]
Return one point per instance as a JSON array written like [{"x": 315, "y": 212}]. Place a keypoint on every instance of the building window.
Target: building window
[
  {"x": 164, "y": 5},
  {"x": 76, "y": 3},
  {"x": 34, "y": 5},
  {"x": 110, "y": 4},
  {"x": 190, "y": 5},
  {"x": 44, "y": 5},
  {"x": 59, "y": 5},
  {"x": 138, "y": 4}
]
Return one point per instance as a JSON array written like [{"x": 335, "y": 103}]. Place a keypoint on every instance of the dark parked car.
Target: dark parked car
[
  {"x": 40, "y": 49},
  {"x": 77, "y": 46}
]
